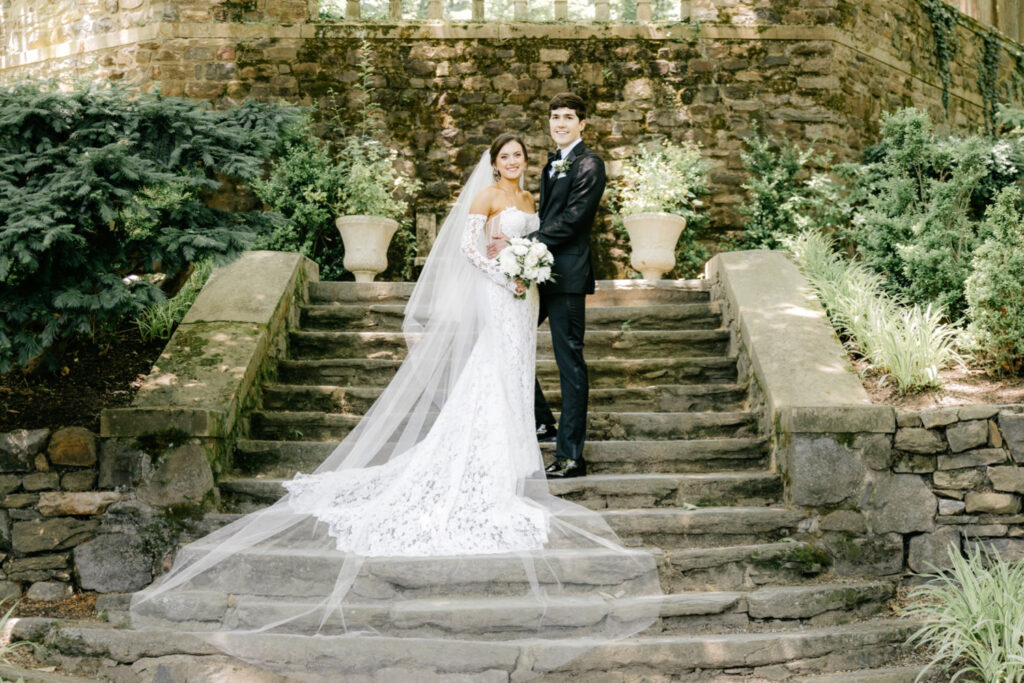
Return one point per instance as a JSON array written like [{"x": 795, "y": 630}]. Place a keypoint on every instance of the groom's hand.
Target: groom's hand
[{"x": 495, "y": 246}]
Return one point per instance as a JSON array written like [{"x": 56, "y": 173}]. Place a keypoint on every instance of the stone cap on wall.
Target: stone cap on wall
[
  {"x": 806, "y": 376},
  {"x": 208, "y": 370}
]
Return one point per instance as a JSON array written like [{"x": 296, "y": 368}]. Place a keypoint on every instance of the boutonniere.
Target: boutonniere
[{"x": 561, "y": 166}]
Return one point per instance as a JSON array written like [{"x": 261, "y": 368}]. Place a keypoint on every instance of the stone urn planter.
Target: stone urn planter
[
  {"x": 652, "y": 238},
  {"x": 366, "y": 241}
]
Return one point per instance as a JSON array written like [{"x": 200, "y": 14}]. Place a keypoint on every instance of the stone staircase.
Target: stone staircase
[{"x": 678, "y": 469}]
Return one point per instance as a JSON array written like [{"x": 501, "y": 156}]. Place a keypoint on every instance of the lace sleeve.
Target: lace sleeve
[{"x": 470, "y": 238}]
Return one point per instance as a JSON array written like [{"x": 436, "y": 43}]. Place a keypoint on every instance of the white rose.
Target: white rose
[
  {"x": 531, "y": 274},
  {"x": 520, "y": 249},
  {"x": 531, "y": 260},
  {"x": 543, "y": 274}
]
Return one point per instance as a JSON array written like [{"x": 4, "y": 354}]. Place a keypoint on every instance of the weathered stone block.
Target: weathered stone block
[
  {"x": 958, "y": 479},
  {"x": 114, "y": 563},
  {"x": 975, "y": 458},
  {"x": 122, "y": 465},
  {"x": 1009, "y": 549},
  {"x": 914, "y": 464},
  {"x": 553, "y": 55},
  {"x": 950, "y": 507},
  {"x": 52, "y": 534},
  {"x": 49, "y": 591},
  {"x": 875, "y": 450},
  {"x": 844, "y": 520},
  {"x": 78, "y": 480},
  {"x": 919, "y": 440},
  {"x": 183, "y": 477},
  {"x": 930, "y": 552},
  {"x": 964, "y": 435},
  {"x": 992, "y": 503},
  {"x": 72, "y": 447},
  {"x": 1007, "y": 478},
  {"x": 8, "y": 483},
  {"x": 908, "y": 418},
  {"x": 822, "y": 471},
  {"x": 41, "y": 481},
  {"x": 938, "y": 417},
  {"x": 976, "y": 412},
  {"x": 38, "y": 568},
  {"x": 901, "y": 503},
  {"x": 64, "y": 503},
  {"x": 1012, "y": 427},
  {"x": 18, "y": 448},
  {"x": 857, "y": 555}
]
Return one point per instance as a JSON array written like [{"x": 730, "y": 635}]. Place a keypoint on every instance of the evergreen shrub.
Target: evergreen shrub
[
  {"x": 995, "y": 288},
  {"x": 98, "y": 184}
]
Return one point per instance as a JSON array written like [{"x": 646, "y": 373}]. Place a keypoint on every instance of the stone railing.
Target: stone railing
[
  {"x": 559, "y": 10},
  {"x": 886, "y": 492}
]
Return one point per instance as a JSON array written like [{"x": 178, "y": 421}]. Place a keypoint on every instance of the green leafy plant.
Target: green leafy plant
[
  {"x": 159, "y": 320},
  {"x": 995, "y": 289},
  {"x": 669, "y": 178},
  {"x": 943, "y": 19},
  {"x": 784, "y": 196},
  {"x": 304, "y": 187},
  {"x": 98, "y": 184},
  {"x": 910, "y": 344},
  {"x": 973, "y": 617},
  {"x": 922, "y": 202}
]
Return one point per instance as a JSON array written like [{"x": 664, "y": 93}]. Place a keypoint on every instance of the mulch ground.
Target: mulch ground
[
  {"x": 89, "y": 376},
  {"x": 960, "y": 386}
]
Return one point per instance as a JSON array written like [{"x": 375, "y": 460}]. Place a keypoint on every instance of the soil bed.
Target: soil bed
[
  {"x": 960, "y": 386},
  {"x": 91, "y": 375}
]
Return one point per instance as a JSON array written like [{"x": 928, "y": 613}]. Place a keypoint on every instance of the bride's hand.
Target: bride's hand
[
  {"x": 497, "y": 243},
  {"x": 520, "y": 287}
]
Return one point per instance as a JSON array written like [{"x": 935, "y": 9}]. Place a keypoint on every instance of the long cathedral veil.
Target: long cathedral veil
[{"x": 260, "y": 587}]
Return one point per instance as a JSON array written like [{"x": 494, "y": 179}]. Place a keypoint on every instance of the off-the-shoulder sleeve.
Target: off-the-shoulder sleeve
[{"x": 470, "y": 238}]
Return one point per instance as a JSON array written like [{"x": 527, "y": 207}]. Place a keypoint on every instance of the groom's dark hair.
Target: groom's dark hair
[{"x": 569, "y": 100}]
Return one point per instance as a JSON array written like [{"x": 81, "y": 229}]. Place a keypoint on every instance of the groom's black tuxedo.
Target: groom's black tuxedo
[{"x": 568, "y": 203}]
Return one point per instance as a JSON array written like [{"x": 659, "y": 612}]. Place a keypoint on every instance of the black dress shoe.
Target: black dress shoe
[
  {"x": 547, "y": 434},
  {"x": 565, "y": 469}
]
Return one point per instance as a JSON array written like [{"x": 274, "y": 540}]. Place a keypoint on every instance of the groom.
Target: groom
[{"x": 571, "y": 186}]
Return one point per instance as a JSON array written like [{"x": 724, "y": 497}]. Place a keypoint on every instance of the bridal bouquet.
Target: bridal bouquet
[{"x": 526, "y": 260}]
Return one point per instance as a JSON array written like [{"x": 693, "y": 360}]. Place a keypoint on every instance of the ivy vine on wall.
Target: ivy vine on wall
[
  {"x": 988, "y": 77},
  {"x": 943, "y": 18}
]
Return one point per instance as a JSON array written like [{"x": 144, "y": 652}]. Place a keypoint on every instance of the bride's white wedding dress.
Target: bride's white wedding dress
[{"x": 459, "y": 490}]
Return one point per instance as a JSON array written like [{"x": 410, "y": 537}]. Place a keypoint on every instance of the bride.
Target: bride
[{"x": 436, "y": 501}]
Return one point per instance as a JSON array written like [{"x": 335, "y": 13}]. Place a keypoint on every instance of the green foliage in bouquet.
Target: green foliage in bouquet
[
  {"x": 923, "y": 199},
  {"x": 98, "y": 184},
  {"x": 995, "y": 288},
  {"x": 784, "y": 196},
  {"x": 668, "y": 178}
]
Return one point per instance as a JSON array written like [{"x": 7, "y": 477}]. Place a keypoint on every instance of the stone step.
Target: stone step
[
  {"x": 692, "y": 316},
  {"x": 769, "y": 655},
  {"x": 641, "y": 372},
  {"x": 601, "y": 491},
  {"x": 608, "y": 292},
  {"x": 319, "y": 426},
  {"x": 282, "y": 459},
  {"x": 600, "y": 344},
  {"x": 742, "y": 567},
  {"x": 510, "y": 617},
  {"x": 354, "y": 400},
  {"x": 702, "y": 527},
  {"x": 889, "y": 674}
]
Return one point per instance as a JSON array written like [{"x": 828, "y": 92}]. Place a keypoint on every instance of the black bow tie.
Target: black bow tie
[{"x": 552, "y": 156}]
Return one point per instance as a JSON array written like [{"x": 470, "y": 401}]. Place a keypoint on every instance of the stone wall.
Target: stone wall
[{"x": 821, "y": 70}]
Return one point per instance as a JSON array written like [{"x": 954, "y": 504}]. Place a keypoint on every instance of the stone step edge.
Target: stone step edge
[
  {"x": 369, "y": 391},
  {"x": 685, "y": 604},
  {"x": 890, "y": 674},
  {"x": 689, "y": 651},
  {"x": 720, "y": 360}
]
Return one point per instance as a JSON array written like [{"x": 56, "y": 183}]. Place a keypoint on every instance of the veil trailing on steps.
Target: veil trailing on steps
[{"x": 273, "y": 588}]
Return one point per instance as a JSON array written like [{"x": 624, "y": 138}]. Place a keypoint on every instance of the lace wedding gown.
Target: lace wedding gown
[{"x": 459, "y": 490}]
